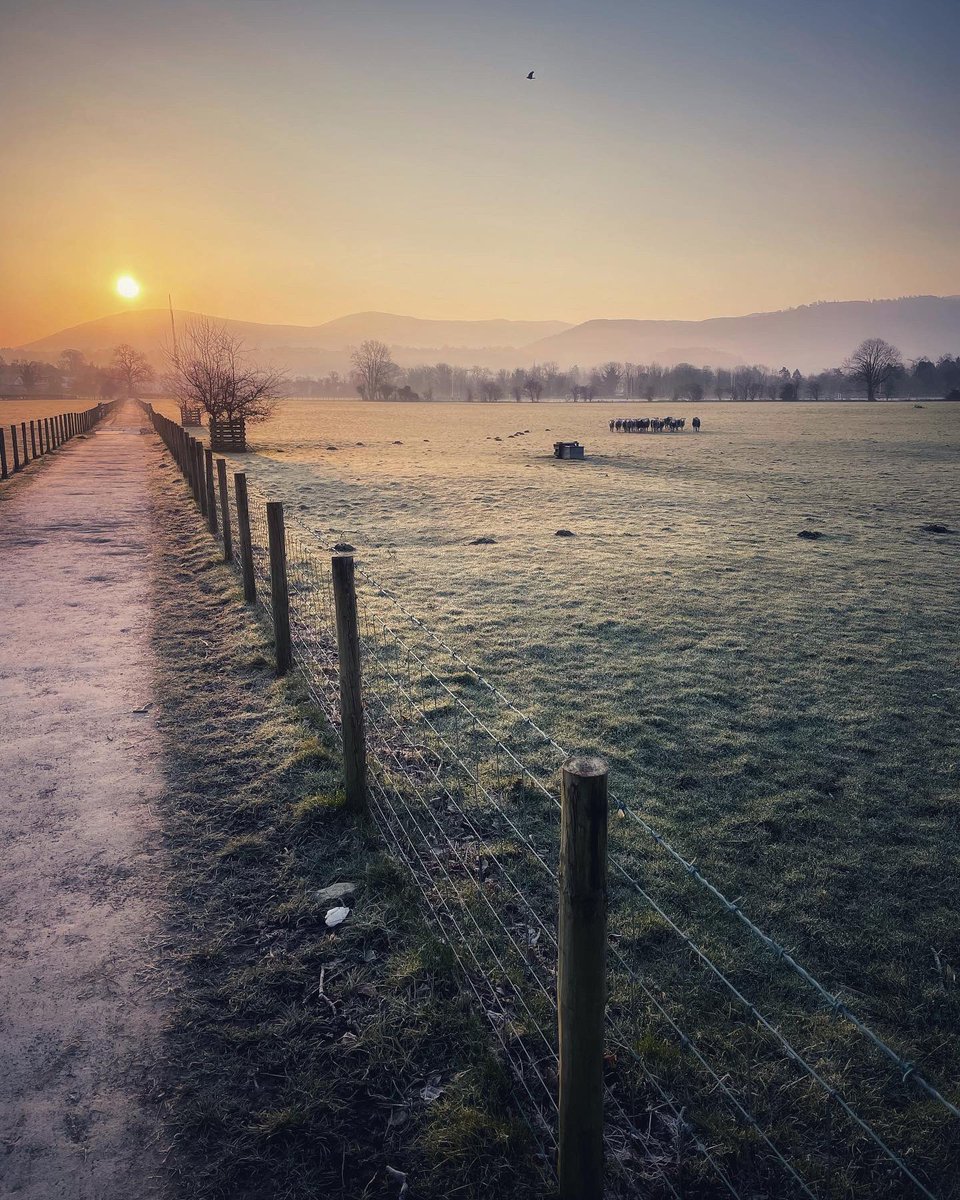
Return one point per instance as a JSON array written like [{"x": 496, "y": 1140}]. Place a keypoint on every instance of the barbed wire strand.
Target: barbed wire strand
[{"x": 835, "y": 1005}]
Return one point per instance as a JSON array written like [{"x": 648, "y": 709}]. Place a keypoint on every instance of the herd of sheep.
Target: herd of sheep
[{"x": 653, "y": 424}]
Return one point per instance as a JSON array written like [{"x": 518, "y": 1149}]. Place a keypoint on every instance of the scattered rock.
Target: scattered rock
[
  {"x": 342, "y": 892},
  {"x": 936, "y": 529},
  {"x": 398, "y": 443},
  {"x": 564, "y": 533},
  {"x": 810, "y": 535},
  {"x": 432, "y": 1091},
  {"x": 336, "y": 916},
  {"x": 331, "y": 447},
  {"x": 498, "y": 439},
  {"x": 483, "y": 541},
  {"x": 343, "y": 547}
]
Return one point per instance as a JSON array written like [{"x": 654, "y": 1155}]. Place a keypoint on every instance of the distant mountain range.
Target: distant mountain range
[{"x": 811, "y": 338}]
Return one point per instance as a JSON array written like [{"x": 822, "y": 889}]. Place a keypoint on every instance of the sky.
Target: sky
[{"x": 292, "y": 161}]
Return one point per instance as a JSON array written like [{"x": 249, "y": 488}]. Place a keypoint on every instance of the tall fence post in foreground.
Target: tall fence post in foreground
[
  {"x": 581, "y": 975},
  {"x": 278, "y": 587},
  {"x": 33, "y": 439},
  {"x": 3, "y": 456},
  {"x": 211, "y": 491},
  {"x": 23, "y": 440},
  {"x": 225, "y": 510},
  {"x": 243, "y": 533},
  {"x": 13, "y": 443},
  {"x": 351, "y": 691}
]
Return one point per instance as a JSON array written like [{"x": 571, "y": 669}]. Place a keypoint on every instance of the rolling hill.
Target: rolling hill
[{"x": 811, "y": 338}]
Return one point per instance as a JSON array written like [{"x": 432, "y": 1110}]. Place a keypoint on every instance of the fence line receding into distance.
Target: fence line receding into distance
[
  {"x": 728, "y": 1067},
  {"x": 38, "y": 436}
]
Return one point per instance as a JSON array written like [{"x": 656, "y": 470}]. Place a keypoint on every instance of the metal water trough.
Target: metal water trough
[{"x": 567, "y": 450}]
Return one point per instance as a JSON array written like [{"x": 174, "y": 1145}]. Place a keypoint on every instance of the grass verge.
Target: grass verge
[{"x": 299, "y": 1056}]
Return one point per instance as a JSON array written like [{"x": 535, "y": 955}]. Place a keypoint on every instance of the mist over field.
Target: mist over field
[{"x": 811, "y": 338}]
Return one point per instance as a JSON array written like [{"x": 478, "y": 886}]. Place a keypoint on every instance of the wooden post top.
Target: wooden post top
[{"x": 587, "y": 766}]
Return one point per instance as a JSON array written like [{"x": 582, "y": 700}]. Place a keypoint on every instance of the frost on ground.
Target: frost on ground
[
  {"x": 300, "y": 1045},
  {"x": 783, "y": 708},
  {"x": 81, "y": 890}
]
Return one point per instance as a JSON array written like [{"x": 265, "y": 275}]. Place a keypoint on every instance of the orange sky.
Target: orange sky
[{"x": 293, "y": 161}]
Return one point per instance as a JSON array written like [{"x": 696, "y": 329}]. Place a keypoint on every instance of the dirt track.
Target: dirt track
[{"x": 80, "y": 890}]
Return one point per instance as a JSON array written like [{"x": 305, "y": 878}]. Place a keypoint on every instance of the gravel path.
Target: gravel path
[{"x": 81, "y": 893}]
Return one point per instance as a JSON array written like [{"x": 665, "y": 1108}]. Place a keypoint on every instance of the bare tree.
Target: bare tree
[
  {"x": 533, "y": 387},
  {"x": 373, "y": 369},
  {"x": 873, "y": 363},
  {"x": 131, "y": 368},
  {"x": 28, "y": 372},
  {"x": 211, "y": 368},
  {"x": 71, "y": 361}
]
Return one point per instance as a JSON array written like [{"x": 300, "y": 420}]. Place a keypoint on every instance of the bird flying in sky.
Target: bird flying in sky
[{"x": 530, "y": 76}]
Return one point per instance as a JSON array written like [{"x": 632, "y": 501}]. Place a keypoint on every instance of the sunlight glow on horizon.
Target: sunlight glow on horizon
[
  {"x": 127, "y": 287},
  {"x": 675, "y": 160}
]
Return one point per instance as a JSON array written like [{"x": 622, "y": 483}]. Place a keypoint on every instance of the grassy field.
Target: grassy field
[
  {"x": 784, "y": 710},
  {"x": 26, "y": 409}
]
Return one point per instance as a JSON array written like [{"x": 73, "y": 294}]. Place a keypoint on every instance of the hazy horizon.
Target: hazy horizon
[{"x": 681, "y": 161}]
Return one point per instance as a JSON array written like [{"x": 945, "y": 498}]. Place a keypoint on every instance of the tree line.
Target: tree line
[
  {"x": 72, "y": 375},
  {"x": 875, "y": 369},
  {"x": 210, "y": 371}
]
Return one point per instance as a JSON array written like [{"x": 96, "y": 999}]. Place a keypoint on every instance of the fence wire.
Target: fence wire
[{"x": 708, "y": 1091}]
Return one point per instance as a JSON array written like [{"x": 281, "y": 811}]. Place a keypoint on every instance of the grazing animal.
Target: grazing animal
[{"x": 696, "y": 424}]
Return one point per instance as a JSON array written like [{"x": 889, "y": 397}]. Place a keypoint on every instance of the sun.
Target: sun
[{"x": 128, "y": 287}]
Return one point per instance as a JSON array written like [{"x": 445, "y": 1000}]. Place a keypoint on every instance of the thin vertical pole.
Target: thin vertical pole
[
  {"x": 224, "y": 510},
  {"x": 3, "y": 456},
  {"x": 581, "y": 975},
  {"x": 243, "y": 533},
  {"x": 351, "y": 689},
  {"x": 26, "y": 452},
  {"x": 211, "y": 491},
  {"x": 16, "y": 453},
  {"x": 278, "y": 587},
  {"x": 33, "y": 440}
]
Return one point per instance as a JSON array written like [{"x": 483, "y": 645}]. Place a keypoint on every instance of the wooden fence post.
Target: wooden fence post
[
  {"x": 243, "y": 533},
  {"x": 16, "y": 453},
  {"x": 224, "y": 510},
  {"x": 581, "y": 976},
  {"x": 201, "y": 477},
  {"x": 26, "y": 452},
  {"x": 351, "y": 688},
  {"x": 192, "y": 468},
  {"x": 33, "y": 440},
  {"x": 3, "y": 456},
  {"x": 278, "y": 587},
  {"x": 211, "y": 491}
]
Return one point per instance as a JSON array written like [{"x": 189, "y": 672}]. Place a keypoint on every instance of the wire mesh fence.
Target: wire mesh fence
[{"x": 729, "y": 1069}]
